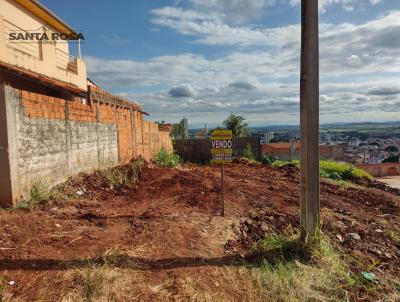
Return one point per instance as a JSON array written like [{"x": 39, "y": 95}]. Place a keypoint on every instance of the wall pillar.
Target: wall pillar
[
  {"x": 68, "y": 138},
  {"x": 99, "y": 155},
  {"x": 6, "y": 196},
  {"x": 133, "y": 123},
  {"x": 9, "y": 176}
]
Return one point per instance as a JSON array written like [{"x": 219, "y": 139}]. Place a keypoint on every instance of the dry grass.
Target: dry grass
[
  {"x": 100, "y": 283},
  {"x": 289, "y": 274}
]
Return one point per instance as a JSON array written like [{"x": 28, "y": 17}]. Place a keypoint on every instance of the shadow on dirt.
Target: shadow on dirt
[
  {"x": 122, "y": 261},
  {"x": 138, "y": 263},
  {"x": 288, "y": 250}
]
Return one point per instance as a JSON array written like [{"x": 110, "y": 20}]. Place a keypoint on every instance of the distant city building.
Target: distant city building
[
  {"x": 291, "y": 151},
  {"x": 201, "y": 134},
  {"x": 268, "y": 136},
  {"x": 185, "y": 127},
  {"x": 354, "y": 142},
  {"x": 181, "y": 130},
  {"x": 325, "y": 138}
]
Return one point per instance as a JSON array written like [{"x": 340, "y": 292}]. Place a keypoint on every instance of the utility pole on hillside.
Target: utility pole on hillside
[{"x": 309, "y": 121}]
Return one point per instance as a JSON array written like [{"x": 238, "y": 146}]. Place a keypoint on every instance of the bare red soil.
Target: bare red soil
[{"x": 171, "y": 219}]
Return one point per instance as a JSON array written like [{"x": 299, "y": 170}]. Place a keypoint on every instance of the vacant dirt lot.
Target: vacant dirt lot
[{"x": 167, "y": 236}]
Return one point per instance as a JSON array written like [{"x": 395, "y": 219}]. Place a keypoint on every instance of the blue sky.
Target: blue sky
[{"x": 205, "y": 59}]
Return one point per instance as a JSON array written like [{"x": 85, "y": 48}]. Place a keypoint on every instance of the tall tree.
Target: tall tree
[
  {"x": 177, "y": 130},
  {"x": 237, "y": 124}
]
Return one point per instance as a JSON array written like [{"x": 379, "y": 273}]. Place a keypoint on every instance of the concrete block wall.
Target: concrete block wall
[{"x": 49, "y": 139}]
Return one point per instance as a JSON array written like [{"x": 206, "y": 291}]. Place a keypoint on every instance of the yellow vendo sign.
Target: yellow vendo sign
[
  {"x": 221, "y": 149},
  {"x": 221, "y": 134}
]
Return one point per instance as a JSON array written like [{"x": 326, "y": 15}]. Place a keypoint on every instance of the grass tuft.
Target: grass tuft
[
  {"x": 96, "y": 283},
  {"x": 2, "y": 288},
  {"x": 39, "y": 194},
  {"x": 119, "y": 176},
  {"x": 293, "y": 271}
]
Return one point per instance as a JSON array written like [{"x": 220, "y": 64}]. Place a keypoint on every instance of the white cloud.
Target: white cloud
[
  {"x": 359, "y": 72},
  {"x": 347, "y": 5},
  {"x": 375, "y": 2},
  {"x": 211, "y": 30},
  {"x": 234, "y": 11}
]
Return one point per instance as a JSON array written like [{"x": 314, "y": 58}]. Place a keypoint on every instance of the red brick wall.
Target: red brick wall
[
  {"x": 107, "y": 113},
  {"x": 82, "y": 112},
  {"x": 125, "y": 143},
  {"x": 42, "y": 106},
  {"x": 136, "y": 137}
]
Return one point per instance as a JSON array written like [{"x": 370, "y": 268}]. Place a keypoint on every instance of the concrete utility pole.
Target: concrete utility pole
[{"x": 309, "y": 120}]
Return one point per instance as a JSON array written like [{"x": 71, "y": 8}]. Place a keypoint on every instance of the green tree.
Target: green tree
[
  {"x": 391, "y": 159},
  {"x": 237, "y": 124},
  {"x": 392, "y": 149},
  {"x": 177, "y": 130},
  {"x": 248, "y": 153}
]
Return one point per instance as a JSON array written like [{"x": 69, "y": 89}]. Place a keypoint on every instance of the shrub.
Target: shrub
[
  {"x": 115, "y": 177},
  {"x": 331, "y": 169},
  {"x": 248, "y": 153},
  {"x": 341, "y": 171},
  {"x": 392, "y": 159},
  {"x": 281, "y": 163},
  {"x": 39, "y": 193},
  {"x": 165, "y": 159},
  {"x": 268, "y": 159}
]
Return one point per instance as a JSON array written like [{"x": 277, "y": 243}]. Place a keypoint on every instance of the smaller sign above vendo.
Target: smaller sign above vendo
[{"x": 221, "y": 149}]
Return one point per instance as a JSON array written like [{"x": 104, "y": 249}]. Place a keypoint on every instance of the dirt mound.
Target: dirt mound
[{"x": 167, "y": 226}]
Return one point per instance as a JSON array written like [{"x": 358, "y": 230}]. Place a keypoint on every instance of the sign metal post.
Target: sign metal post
[
  {"x": 221, "y": 152},
  {"x": 223, "y": 190}
]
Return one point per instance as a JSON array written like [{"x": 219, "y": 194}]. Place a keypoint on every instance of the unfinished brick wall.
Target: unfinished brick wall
[
  {"x": 107, "y": 113},
  {"x": 52, "y": 139},
  {"x": 40, "y": 106},
  {"x": 82, "y": 112}
]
